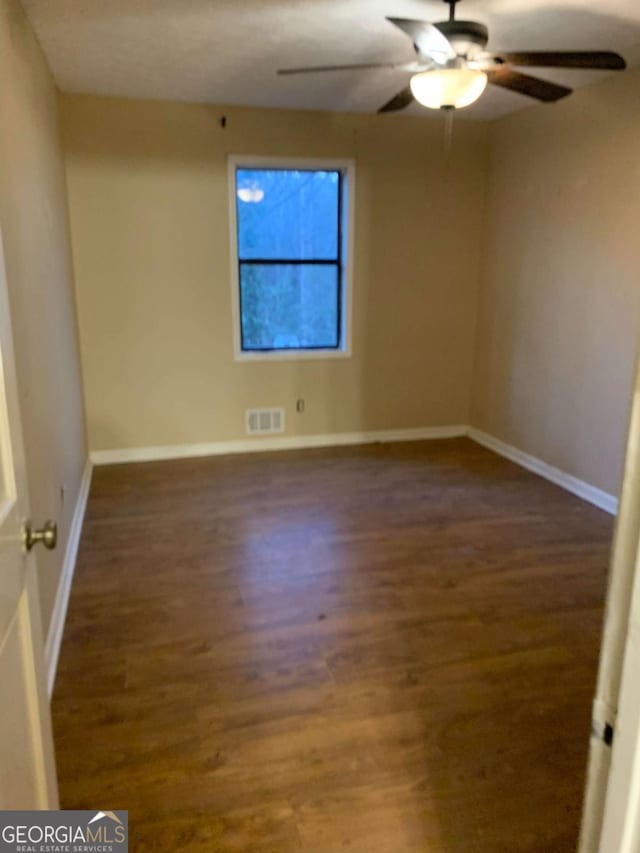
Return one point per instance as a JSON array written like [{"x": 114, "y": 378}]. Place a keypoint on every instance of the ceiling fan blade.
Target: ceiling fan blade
[
  {"x": 604, "y": 59},
  {"x": 427, "y": 38},
  {"x": 358, "y": 66},
  {"x": 398, "y": 102},
  {"x": 542, "y": 90}
]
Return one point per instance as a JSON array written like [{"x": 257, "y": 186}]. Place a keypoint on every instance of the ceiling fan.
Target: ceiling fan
[{"x": 452, "y": 66}]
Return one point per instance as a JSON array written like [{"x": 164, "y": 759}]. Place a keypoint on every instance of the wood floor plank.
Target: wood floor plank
[{"x": 380, "y": 649}]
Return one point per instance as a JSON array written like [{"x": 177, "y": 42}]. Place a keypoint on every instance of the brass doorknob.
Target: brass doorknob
[{"x": 48, "y": 535}]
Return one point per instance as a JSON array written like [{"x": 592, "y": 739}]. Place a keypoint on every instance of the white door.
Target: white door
[{"x": 27, "y": 767}]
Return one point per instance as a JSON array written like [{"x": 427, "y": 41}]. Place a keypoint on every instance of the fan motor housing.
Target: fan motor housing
[{"x": 467, "y": 37}]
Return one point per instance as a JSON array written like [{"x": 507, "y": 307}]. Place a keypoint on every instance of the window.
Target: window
[{"x": 291, "y": 253}]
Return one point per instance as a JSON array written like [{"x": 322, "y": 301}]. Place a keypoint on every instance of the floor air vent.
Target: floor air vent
[{"x": 264, "y": 421}]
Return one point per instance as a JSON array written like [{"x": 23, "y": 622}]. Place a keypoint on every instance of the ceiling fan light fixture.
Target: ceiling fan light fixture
[
  {"x": 448, "y": 87},
  {"x": 250, "y": 194}
]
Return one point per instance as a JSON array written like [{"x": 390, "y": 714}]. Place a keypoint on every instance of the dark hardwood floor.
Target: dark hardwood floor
[{"x": 379, "y": 649}]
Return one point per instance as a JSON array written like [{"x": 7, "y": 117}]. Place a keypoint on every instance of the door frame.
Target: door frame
[
  {"x": 611, "y": 812},
  {"x": 621, "y": 819}
]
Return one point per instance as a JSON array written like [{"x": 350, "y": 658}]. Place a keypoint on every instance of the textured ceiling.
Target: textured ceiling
[{"x": 227, "y": 51}]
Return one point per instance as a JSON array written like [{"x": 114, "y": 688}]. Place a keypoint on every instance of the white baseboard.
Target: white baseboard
[
  {"x": 253, "y": 445},
  {"x": 595, "y": 496},
  {"x": 583, "y": 490},
  {"x": 59, "y": 614}
]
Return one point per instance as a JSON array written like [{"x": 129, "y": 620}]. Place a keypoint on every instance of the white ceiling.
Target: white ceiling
[{"x": 227, "y": 51}]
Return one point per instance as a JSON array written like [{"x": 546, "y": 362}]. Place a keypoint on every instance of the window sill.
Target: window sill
[{"x": 293, "y": 355}]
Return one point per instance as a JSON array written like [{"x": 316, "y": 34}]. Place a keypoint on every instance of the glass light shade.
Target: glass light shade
[{"x": 448, "y": 87}]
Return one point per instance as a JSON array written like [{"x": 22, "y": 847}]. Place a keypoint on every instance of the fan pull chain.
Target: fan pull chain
[{"x": 449, "y": 113}]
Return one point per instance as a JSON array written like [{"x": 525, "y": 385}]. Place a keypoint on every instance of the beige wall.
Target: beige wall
[
  {"x": 33, "y": 214},
  {"x": 558, "y": 318},
  {"x": 147, "y": 185},
  {"x": 561, "y": 286}
]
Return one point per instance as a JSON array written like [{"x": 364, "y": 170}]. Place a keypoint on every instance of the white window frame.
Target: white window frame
[{"x": 348, "y": 170}]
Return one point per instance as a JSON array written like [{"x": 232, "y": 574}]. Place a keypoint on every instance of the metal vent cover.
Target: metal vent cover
[{"x": 264, "y": 421}]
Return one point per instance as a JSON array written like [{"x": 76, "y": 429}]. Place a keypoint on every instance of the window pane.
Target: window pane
[
  {"x": 288, "y": 306},
  {"x": 287, "y": 214}
]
